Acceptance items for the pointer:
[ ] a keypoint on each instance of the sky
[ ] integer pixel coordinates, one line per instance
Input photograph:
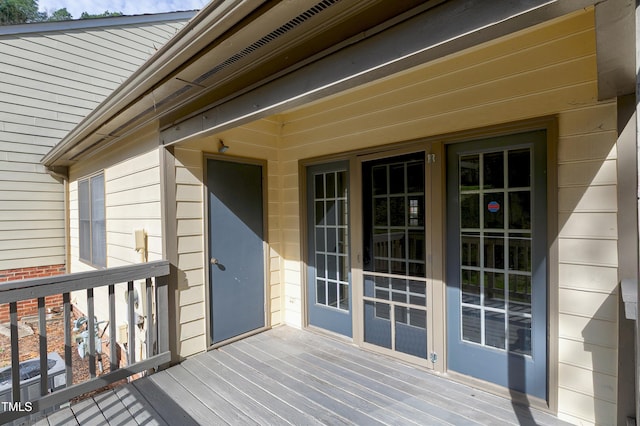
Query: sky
(128, 7)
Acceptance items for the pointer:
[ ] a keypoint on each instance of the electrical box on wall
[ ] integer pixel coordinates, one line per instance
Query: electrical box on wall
(140, 239)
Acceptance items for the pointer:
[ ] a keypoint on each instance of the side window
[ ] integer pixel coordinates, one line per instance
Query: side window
(91, 213)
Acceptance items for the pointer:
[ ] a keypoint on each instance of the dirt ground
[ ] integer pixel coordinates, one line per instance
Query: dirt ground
(29, 348)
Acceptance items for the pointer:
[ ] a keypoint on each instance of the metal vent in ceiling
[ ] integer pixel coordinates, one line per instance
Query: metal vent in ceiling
(273, 35)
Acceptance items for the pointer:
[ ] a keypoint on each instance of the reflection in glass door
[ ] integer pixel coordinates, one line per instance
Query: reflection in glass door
(394, 263)
(497, 261)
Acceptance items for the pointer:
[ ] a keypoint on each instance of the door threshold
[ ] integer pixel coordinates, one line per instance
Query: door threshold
(238, 337)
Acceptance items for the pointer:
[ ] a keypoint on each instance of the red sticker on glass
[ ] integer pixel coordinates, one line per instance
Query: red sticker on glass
(493, 206)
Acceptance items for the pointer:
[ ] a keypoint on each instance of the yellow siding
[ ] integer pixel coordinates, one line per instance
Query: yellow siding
(132, 201)
(257, 141)
(190, 229)
(548, 70)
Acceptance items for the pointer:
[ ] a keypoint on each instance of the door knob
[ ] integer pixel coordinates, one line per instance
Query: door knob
(214, 261)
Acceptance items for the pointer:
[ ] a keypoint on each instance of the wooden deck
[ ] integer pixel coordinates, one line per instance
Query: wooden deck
(287, 376)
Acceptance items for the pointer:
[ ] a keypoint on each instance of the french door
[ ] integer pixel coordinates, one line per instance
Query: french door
(329, 300)
(496, 257)
(379, 249)
(395, 273)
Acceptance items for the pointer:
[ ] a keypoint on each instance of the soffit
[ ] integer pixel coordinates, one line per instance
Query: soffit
(273, 38)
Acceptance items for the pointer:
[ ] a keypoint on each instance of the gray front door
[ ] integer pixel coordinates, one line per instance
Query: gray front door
(329, 270)
(496, 267)
(236, 248)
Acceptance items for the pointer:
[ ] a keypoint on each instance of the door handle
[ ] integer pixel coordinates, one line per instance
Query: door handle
(214, 261)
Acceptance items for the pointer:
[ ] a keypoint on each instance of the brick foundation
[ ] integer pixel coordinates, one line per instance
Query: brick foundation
(30, 307)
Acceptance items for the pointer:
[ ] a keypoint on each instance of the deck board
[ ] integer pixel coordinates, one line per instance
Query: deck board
(138, 407)
(171, 412)
(287, 376)
(380, 406)
(88, 413)
(244, 399)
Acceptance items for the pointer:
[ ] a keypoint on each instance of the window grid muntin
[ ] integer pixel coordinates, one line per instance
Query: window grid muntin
(481, 232)
(326, 278)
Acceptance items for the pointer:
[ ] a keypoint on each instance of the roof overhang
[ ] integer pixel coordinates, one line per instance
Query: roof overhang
(238, 61)
(616, 48)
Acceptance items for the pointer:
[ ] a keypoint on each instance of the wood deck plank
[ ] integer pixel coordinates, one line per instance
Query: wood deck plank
(419, 383)
(209, 397)
(171, 412)
(62, 417)
(331, 398)
(113, 409)
(377, 393)
(139, 408)
(199, 412)
(426, 398)
(88, 413)
(288, 376)
(297, 393)
(300, 409)
(254, 402)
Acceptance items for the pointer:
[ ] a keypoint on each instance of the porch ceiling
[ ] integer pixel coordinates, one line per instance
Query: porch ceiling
(247, 43)
(243, 60)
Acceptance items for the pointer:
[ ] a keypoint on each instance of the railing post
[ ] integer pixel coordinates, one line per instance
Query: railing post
(91, 330)
(113, 352)
(162, 313)
(132, 324)
(150, 346)
(66, 303)
(15, 352)
(42, 337)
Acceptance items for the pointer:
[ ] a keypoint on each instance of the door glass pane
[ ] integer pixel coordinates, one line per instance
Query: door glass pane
(494, 290)
(470, 247)
(495, 249)
(519, 168)
(493, 170)
(397, 211)
(520, 253)
(520, 334)
(471, 287)
(471, 325)
(470, 172)
(520, 294)
(494, 210)
(494, 329)
(331, 239)
(520, 210)
(470, 211)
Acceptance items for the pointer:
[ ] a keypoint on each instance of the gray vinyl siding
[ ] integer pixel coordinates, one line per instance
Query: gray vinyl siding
(53, 75)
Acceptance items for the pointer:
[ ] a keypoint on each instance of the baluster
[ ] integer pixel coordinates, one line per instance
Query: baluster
(131, 321)
(92, 333)
(42, 329)
(66, 303)
(150, 346)
(113, 350)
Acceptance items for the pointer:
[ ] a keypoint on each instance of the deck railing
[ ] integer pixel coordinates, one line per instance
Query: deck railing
(155, 274)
